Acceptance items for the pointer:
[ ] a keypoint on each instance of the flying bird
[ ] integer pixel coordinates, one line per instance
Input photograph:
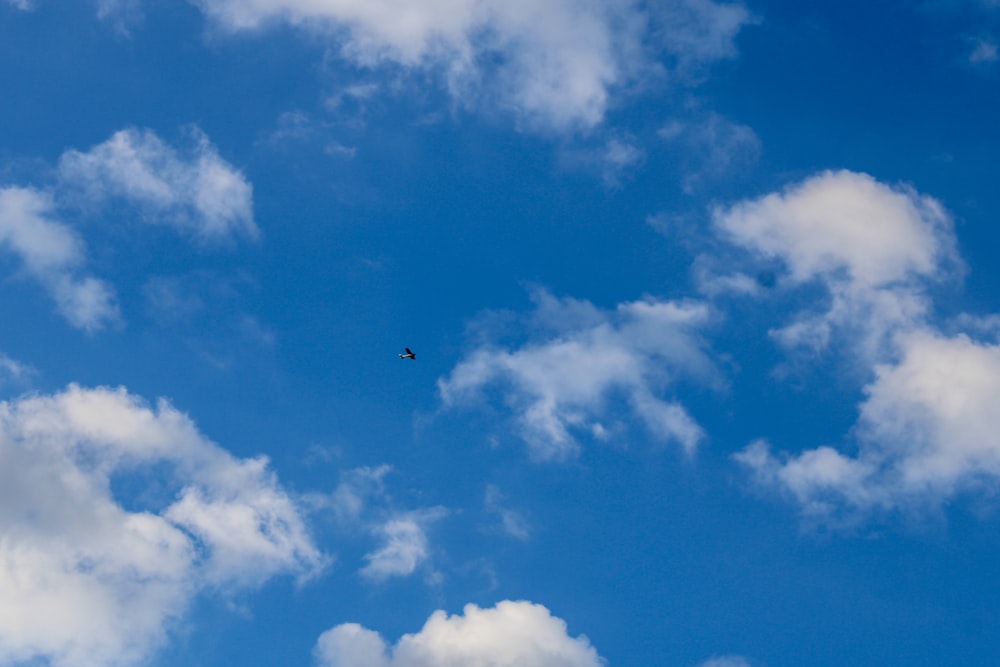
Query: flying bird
(408, 355)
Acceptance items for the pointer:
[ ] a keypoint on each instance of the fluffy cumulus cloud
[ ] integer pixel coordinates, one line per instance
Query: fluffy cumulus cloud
(52, 254)
(928, 430)
(114, 514)
(511, 633)
(192, 189)
(578, 359)
(873, 247)
(554, 65)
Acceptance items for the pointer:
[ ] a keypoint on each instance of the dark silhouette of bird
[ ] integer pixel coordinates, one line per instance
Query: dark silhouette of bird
(408, 355)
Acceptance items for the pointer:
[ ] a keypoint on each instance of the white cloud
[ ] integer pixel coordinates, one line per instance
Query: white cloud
(554, 65)
(511, 633)
(726, 661)
(93, 576)
(844, 224)
(579, 358)
(52, 253)
(23, 5)
(871, 246)
(194, 190)
(405, 546)
(928, 430)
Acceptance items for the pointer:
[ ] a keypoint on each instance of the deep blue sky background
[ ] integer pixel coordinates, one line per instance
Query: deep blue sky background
(407, 215)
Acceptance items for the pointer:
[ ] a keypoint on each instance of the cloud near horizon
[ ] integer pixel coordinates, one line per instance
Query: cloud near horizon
(94, 575)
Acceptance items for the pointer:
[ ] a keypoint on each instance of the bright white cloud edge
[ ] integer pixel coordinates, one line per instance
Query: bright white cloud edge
(928, 429)
(554, 65)
(511, 633)
(94, 579)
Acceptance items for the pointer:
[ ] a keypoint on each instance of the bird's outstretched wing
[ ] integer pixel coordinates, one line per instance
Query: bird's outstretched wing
(408, 351)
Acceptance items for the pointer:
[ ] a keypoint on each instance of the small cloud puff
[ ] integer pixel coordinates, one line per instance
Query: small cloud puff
(511, 633)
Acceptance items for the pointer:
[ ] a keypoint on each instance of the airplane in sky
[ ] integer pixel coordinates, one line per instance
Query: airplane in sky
(408, 355)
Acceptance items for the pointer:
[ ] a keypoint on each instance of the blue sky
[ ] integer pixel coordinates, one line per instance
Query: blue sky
(703, 296)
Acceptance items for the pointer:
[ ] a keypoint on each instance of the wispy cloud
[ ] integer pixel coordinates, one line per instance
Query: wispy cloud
(52, 253)
(511, 633)
(117, 571)
(512, 522)
(553, 65)
(726, 661)
(711, 147)
(578, 358)
(984, 51)
(13, 371)
(405, 545)
(193, 190)
(361, 503)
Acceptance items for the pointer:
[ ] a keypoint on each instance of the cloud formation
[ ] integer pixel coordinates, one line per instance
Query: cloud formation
(360, 503)
(192, 189)
(577, 359)
(511, 633)
(871, 246)
(52, 254)
(928, 430)
(405, 546)
(95, 575)
(554, 65)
